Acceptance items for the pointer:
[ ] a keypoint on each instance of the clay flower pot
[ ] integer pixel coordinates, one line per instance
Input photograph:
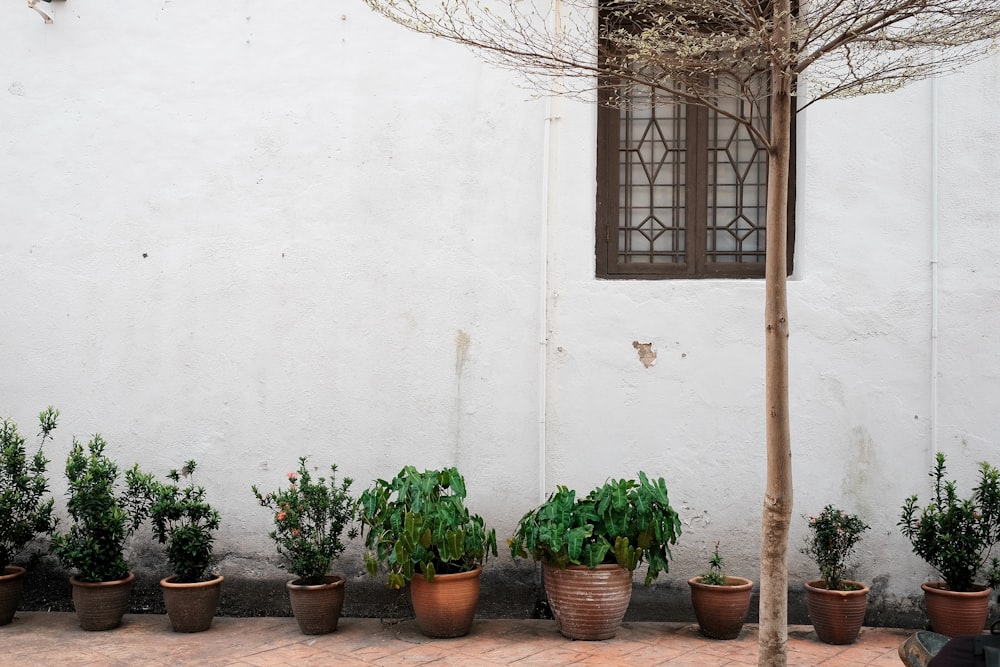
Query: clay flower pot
(191, 607)
(446, 606)
(588, 603)
(11, 589)
(101, 605)
(721, 610)
(317, 608)
(955, 613)
(836, 615)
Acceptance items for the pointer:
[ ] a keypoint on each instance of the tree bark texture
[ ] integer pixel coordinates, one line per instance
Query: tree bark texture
(777, 514)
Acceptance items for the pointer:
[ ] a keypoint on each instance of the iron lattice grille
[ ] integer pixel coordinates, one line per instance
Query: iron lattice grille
(692, 182)
(652, 168)
(737, 184)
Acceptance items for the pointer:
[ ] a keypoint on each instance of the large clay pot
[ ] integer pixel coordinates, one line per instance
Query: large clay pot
(837, 616)
(191, 607)
(101, 605)
(588, 603)
(721, 610)
(11, 588)
(446, 606)
(317, 608)
(955, 613)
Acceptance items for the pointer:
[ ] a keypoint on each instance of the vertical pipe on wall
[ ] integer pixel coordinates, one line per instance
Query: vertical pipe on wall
(548, 165)
(934, 269)
(543, 301)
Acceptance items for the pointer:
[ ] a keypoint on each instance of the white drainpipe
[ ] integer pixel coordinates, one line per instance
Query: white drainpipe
(934, 269)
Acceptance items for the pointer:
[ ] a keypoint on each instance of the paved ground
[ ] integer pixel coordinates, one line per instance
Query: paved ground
(54, 639)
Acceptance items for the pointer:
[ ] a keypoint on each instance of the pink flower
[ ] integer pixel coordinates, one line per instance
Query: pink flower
(295, 532)
(281, 516)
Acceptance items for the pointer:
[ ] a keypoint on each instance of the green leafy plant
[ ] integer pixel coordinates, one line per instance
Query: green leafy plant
(952, 535)
(624, 521)
(24, 513)
(103, 514)
(310, 516)
(714, 576)
(834, 534)
(184, 521)
(417, 523)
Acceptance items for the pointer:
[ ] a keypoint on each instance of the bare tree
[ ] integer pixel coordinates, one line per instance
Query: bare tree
(784, 53)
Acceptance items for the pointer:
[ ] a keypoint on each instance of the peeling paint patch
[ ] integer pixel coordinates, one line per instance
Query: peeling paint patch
(647, 355)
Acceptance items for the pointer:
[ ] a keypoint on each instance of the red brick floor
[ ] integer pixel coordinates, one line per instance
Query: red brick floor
(39, 639)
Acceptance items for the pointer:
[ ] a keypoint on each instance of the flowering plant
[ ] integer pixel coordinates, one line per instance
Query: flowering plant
(309, 518)
(23, 512)
(834, 536)
(952, 535)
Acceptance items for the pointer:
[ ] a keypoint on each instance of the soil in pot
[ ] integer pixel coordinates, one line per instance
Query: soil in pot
(721, 610)
(191, 607)
(101, 605)
(446, 606)
(836, 616)
(588, 603)
(317, 608)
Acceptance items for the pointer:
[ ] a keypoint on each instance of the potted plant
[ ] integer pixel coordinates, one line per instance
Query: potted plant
(417, 525)
(103, 515)
(24, 512)
(184, 521)
(590, 546)
(310, 515)
(720, 602)
(836, 605)
(955, 537)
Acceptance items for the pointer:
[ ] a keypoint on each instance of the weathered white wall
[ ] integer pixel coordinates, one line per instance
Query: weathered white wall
(244, 232)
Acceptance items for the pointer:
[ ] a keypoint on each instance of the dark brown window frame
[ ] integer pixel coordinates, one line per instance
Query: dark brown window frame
(696, 209)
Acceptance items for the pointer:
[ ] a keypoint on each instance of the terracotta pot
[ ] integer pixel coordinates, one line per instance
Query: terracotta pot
(836, 616)
(11, 588)
(191, 607)
(955, 613)
(317, 608)
(446, 606)
(101, 605)
(721, 610)
(588, 603)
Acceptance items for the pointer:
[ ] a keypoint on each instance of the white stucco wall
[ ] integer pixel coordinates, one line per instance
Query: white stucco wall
(245, 232)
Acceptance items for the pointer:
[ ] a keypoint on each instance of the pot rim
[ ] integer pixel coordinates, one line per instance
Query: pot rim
(12, 571)
(940, 587)
(817, 586)
(738, 583)
(97, 584)
(332, 581)
(573, 566)
(452, 576)
(167, 582)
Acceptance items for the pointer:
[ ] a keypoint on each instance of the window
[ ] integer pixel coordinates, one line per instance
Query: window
(682, 189)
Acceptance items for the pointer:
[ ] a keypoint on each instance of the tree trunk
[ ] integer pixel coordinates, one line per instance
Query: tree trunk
(777, 514)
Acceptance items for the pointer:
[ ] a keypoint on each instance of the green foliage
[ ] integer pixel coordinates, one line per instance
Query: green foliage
(833, 537)
(24, 514)
(622, 522)
(714, 576)
(309, 519)
(103, 515)
(184, 520)
(418, 524)
(952, 535)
